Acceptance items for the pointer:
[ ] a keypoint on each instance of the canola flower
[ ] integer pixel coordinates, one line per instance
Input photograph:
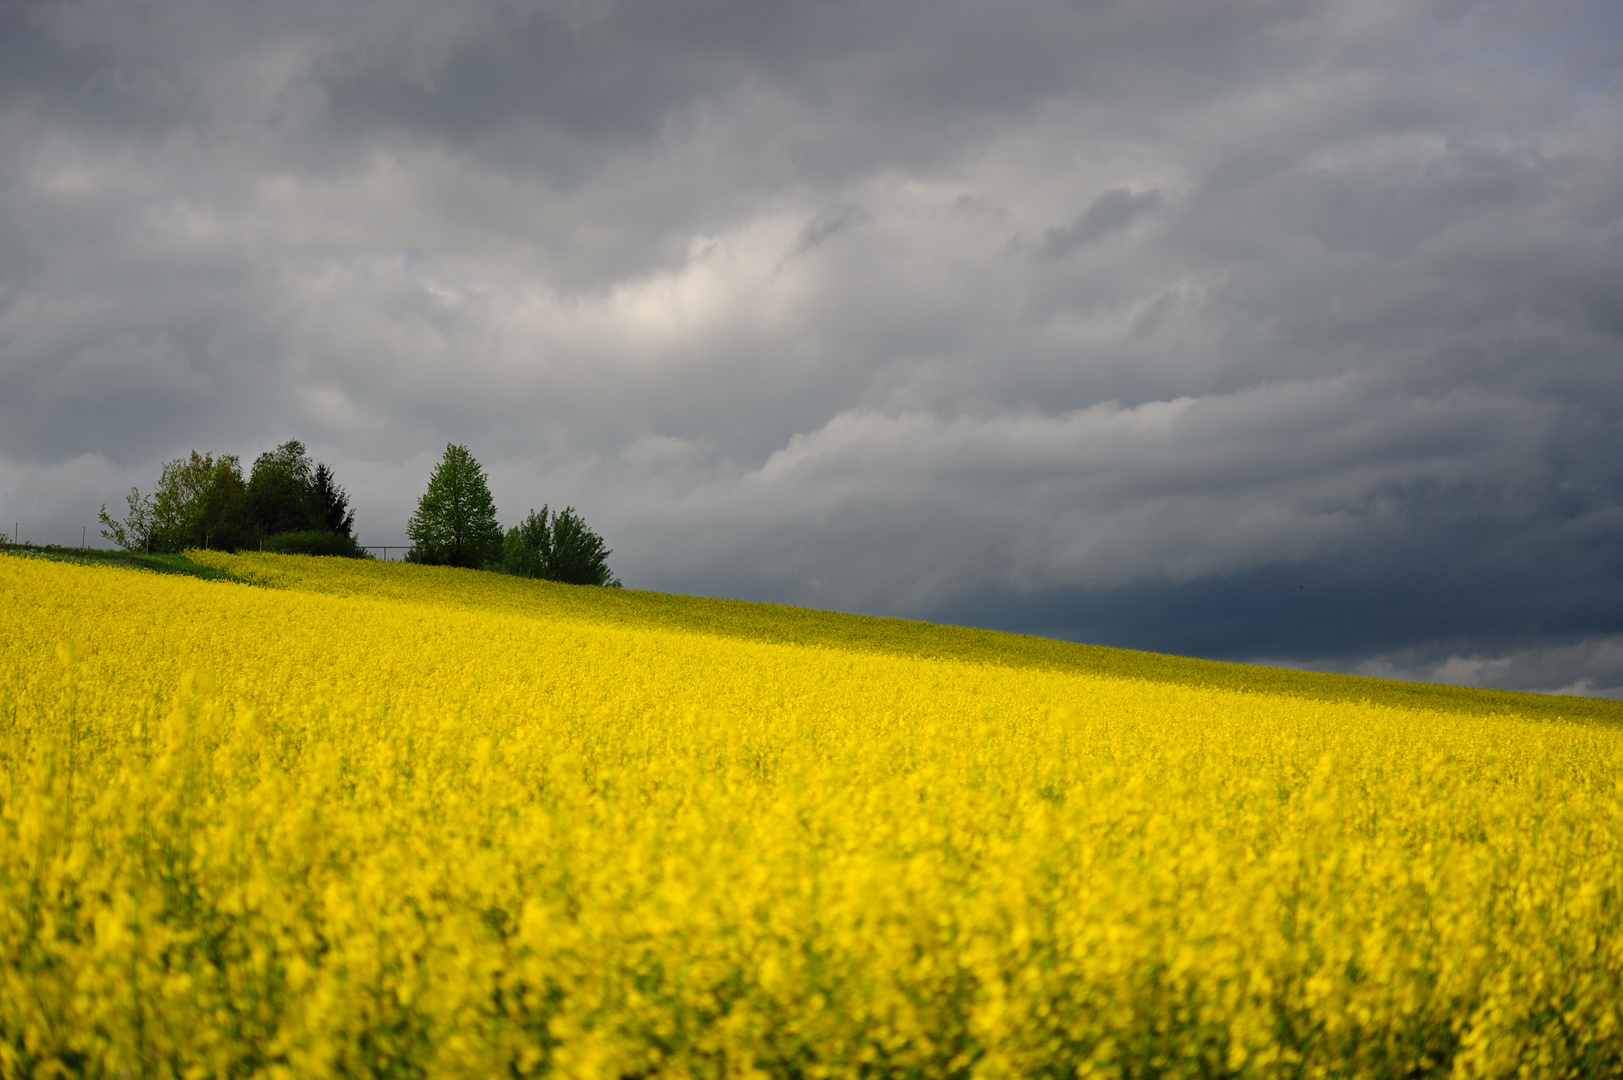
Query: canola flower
(390, 821)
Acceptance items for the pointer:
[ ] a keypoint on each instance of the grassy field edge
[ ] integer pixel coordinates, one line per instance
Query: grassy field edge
(125, 560)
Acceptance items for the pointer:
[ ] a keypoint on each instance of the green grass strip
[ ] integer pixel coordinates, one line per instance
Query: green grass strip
(128, 560)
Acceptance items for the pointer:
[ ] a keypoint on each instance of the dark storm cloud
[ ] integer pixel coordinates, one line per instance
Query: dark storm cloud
(1431, 599)
(1260, 328)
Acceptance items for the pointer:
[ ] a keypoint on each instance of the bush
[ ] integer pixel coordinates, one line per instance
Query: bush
(314, 542)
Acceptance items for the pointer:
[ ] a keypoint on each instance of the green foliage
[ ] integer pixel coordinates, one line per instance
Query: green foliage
(527, 547)
(289, 494)
(557, 547)
(579, 556)
(200, 502)
(313, 542)
(221, 508)
(134, 532)
(329, 504)
(455, 522)
(279, 490)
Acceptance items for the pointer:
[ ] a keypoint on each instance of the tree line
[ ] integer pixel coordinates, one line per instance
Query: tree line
(287, 503)
(455, 525)
(293, 505)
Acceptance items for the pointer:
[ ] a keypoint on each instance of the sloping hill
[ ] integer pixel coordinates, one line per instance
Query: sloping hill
(806, 626)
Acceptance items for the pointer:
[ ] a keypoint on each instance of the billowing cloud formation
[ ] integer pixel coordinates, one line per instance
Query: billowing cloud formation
(1258, 329)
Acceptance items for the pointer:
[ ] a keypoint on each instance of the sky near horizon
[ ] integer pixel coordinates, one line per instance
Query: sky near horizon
(1272, 330)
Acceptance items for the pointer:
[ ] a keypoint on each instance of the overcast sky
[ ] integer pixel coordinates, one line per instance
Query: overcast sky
(1259, 329)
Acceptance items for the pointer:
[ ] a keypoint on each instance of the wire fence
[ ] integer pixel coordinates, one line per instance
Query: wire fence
(40, 535)
(36, 534)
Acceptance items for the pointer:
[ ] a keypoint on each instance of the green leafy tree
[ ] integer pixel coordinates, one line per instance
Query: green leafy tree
(135, 531)
(557, 547)
(200, 501)
(219, 505)
(297, 505)
(455, 522)
(279, 490)
(527, 547)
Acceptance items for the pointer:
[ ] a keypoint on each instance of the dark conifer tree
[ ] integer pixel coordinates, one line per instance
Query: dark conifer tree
(329, 504)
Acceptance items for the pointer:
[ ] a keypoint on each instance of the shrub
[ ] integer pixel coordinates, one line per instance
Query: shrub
(314, 542)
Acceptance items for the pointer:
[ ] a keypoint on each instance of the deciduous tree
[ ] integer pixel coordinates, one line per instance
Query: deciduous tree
(557, 547)
(455, 522)
(200, 501)
(279, 490)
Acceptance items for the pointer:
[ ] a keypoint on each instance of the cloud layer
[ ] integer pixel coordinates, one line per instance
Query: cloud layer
(1101, 320)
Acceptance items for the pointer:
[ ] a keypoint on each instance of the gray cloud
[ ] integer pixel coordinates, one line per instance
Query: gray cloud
(837, 219)
(1339, 309)
(1591, 666)
(1109, 213)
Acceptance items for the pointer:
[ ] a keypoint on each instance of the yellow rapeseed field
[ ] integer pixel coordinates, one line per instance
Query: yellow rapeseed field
(383, 820)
